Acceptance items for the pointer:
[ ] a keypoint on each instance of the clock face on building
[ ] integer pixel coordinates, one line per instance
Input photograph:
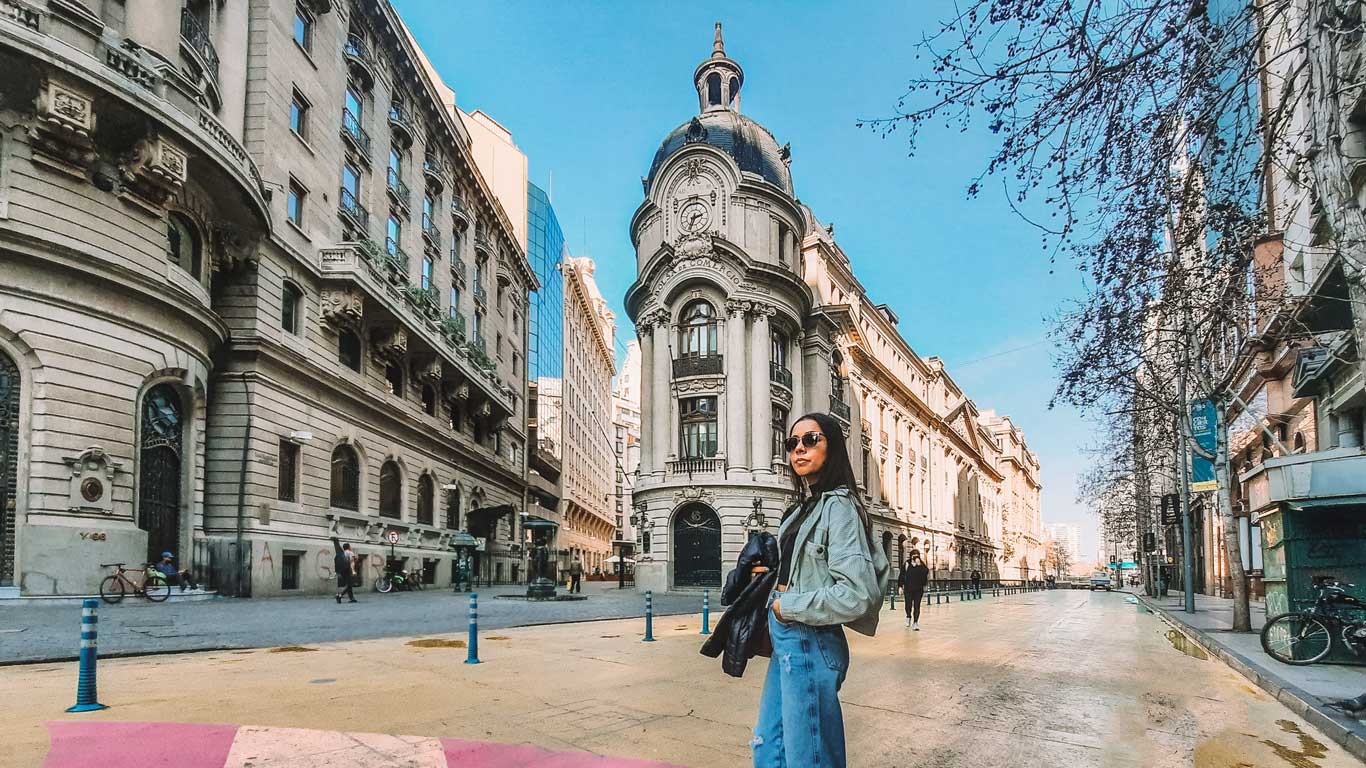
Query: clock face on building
(694, 217)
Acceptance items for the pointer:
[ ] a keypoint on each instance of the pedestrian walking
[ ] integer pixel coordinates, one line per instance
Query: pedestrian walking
(914, 578)
(976, 581)
(576, 575)
(830, 575)
(344, 562)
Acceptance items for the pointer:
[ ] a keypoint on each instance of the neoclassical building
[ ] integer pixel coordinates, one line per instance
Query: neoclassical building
(254, 293)
(749, 314)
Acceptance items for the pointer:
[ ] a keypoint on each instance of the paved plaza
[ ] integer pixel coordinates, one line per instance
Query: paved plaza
(1059, 678)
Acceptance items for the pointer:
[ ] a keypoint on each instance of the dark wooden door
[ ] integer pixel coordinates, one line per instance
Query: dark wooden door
(159, 462)
(9, 465)
(697, 547)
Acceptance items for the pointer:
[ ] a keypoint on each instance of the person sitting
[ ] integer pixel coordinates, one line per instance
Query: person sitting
(173, 575)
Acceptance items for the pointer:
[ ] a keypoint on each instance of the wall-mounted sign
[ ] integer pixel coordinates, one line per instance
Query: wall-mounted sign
(93, 535)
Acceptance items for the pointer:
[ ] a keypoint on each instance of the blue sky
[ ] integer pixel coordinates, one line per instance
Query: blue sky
(590, 89)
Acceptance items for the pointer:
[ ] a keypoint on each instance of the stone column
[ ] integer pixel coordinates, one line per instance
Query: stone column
(663, 404)
(737, 446)
(647, 397)
(801, 402)
(760, 399)
(875, 436)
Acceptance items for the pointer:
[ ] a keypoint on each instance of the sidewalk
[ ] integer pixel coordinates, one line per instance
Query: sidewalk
(1304, 690)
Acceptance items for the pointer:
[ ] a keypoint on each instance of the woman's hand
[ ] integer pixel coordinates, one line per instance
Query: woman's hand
(758, 569)
(778, 611)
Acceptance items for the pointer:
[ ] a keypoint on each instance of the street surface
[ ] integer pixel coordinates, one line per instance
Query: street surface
(31, 632)
(1062, 678)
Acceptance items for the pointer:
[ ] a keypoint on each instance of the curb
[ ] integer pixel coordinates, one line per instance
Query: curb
(1346, 733)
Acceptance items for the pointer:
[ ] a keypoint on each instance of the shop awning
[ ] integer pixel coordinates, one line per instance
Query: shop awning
(483, 519)
(462, 539)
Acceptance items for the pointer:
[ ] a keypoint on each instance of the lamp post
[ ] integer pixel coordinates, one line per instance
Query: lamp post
(756, 521)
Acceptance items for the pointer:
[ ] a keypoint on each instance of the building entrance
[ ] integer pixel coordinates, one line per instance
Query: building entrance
(697, 547)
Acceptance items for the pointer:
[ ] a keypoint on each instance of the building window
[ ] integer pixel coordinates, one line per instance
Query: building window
(393, 235)
(515, 364)
(395, 167)
(348, 349)
(698, 330)
(287, 481)
(698, 427)
(777, 349)
(478, 326)
(355, 105)
(345, 478)
(427, 275)
(498, 344)
(779, 431)
(303, 28)
(865, 467)
(298, 115)
(457, 417)
(429, 399)
(453, 510)
(390, 490)
(425, 493)
(295, 203)
(351, 183)
(289, 570)
(183, 247)
(455, 301)
(393, 374)
(291, 308)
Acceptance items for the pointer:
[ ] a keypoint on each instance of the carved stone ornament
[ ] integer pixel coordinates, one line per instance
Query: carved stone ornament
(692, 246)
(154, 169)
(91, 485)
(484, 410)
(693, 493)
(697, 133)
(429, 372)
(707, 384)
(65, 124)
(393, 345)
(234, 248)
(458, 391)
(780, 395)
(737, 307)
(343, 307)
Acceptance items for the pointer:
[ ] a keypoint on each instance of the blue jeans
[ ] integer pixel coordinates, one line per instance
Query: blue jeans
(800, 725)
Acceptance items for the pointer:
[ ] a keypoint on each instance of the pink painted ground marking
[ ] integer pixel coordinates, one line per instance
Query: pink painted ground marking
(137, 745)
(485, 754)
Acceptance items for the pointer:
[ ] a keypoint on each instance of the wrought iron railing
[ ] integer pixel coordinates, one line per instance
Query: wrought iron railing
(196, 34)
(481, 295)
(779, 374)
(352, 130)
(400, 120)
(397, 188)
(839, 408)
(699, 365)
(350, 207)
(430, 231)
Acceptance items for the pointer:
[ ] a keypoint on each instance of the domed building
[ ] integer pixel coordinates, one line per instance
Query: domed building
(731, 348)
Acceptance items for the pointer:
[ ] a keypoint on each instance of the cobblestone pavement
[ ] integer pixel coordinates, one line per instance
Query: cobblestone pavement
(41, 633)
(1068, 679)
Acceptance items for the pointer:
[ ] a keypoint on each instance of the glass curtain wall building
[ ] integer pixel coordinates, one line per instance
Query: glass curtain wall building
(545, 318)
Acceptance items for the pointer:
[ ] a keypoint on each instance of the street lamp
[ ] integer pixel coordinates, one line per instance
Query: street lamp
(756, 520)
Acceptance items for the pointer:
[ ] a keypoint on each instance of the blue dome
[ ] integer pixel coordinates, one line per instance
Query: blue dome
(750, 144)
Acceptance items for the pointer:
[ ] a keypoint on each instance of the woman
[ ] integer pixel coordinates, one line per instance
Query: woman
(829, 575)
(913, 581)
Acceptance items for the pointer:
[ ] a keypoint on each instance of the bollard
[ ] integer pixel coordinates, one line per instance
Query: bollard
(85, 679)
(649, 617)
(894, 598)
(473, 657)
(706, 612)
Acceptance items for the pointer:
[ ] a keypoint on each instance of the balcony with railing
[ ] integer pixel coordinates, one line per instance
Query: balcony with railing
(883, 435)
(867, 428)
(699, 365)
(695, 465)
(458, 269)
(355, 135)
(481, 296)
(459, 213)
(194, 36)
(780, 375)
(900, 449)
(434, 170)
(352, 212)
(395, 258)
(364, 267)
(431, 234)
(483, 243)
(398, 191)
(401, 125)
(359, 61)
(839, 409)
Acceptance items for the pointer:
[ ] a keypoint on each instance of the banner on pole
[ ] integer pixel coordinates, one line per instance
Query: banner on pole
(1202, 431)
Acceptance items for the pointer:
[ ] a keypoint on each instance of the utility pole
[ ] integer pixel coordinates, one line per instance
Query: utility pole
(1187, 556)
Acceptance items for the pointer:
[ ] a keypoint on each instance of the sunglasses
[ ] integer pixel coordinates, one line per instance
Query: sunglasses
(809, 440)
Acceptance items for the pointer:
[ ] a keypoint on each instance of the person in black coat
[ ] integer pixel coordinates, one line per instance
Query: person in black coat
(742, 631)
(913, 580)
(344, 563)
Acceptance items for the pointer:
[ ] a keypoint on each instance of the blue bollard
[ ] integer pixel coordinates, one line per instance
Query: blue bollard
(85, 680)
(649, 617)
(473, 657)
(706, 612)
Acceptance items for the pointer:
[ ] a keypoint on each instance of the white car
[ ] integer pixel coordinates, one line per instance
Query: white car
(1100, 581)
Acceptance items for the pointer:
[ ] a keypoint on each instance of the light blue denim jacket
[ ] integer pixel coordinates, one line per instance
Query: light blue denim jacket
(836, 576)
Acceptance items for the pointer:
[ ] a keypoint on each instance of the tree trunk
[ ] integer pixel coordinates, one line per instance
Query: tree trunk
(1242, 612)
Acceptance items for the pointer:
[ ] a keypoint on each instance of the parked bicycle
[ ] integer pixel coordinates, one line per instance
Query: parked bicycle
(1304, 637)
(114, 587)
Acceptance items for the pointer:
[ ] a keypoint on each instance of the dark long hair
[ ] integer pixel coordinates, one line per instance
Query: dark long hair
(836, 471)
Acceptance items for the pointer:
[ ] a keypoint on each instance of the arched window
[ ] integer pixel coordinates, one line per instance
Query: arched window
(836, 378)
(1299, 442)
(734, 91)
(345, 478)
(779, 426)
(291, 308)
(713, 89)
(390, 490)
(183, 247)
(698, 330)
(348, 349)
(429, 399)
(425, 502)
(453, 510)
(393, 373)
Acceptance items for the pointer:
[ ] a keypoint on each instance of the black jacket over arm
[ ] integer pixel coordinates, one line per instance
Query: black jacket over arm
(742, 631)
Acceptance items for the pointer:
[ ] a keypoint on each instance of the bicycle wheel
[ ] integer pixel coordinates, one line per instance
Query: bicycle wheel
(384, 584)
(1296, 638)
(111, 590)
(156, 590)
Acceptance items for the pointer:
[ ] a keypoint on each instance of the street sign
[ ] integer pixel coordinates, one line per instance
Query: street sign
(392, 536)
(1203, 419)
(1112, 559)
(1171, 509)
(1149, 542)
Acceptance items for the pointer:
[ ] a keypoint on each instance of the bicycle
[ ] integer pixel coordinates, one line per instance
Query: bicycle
(1304, 637)
(114, 587)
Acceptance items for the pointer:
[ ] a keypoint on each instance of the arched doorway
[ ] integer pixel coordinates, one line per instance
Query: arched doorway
(160, 454)
(9, 465)
(697, 547)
